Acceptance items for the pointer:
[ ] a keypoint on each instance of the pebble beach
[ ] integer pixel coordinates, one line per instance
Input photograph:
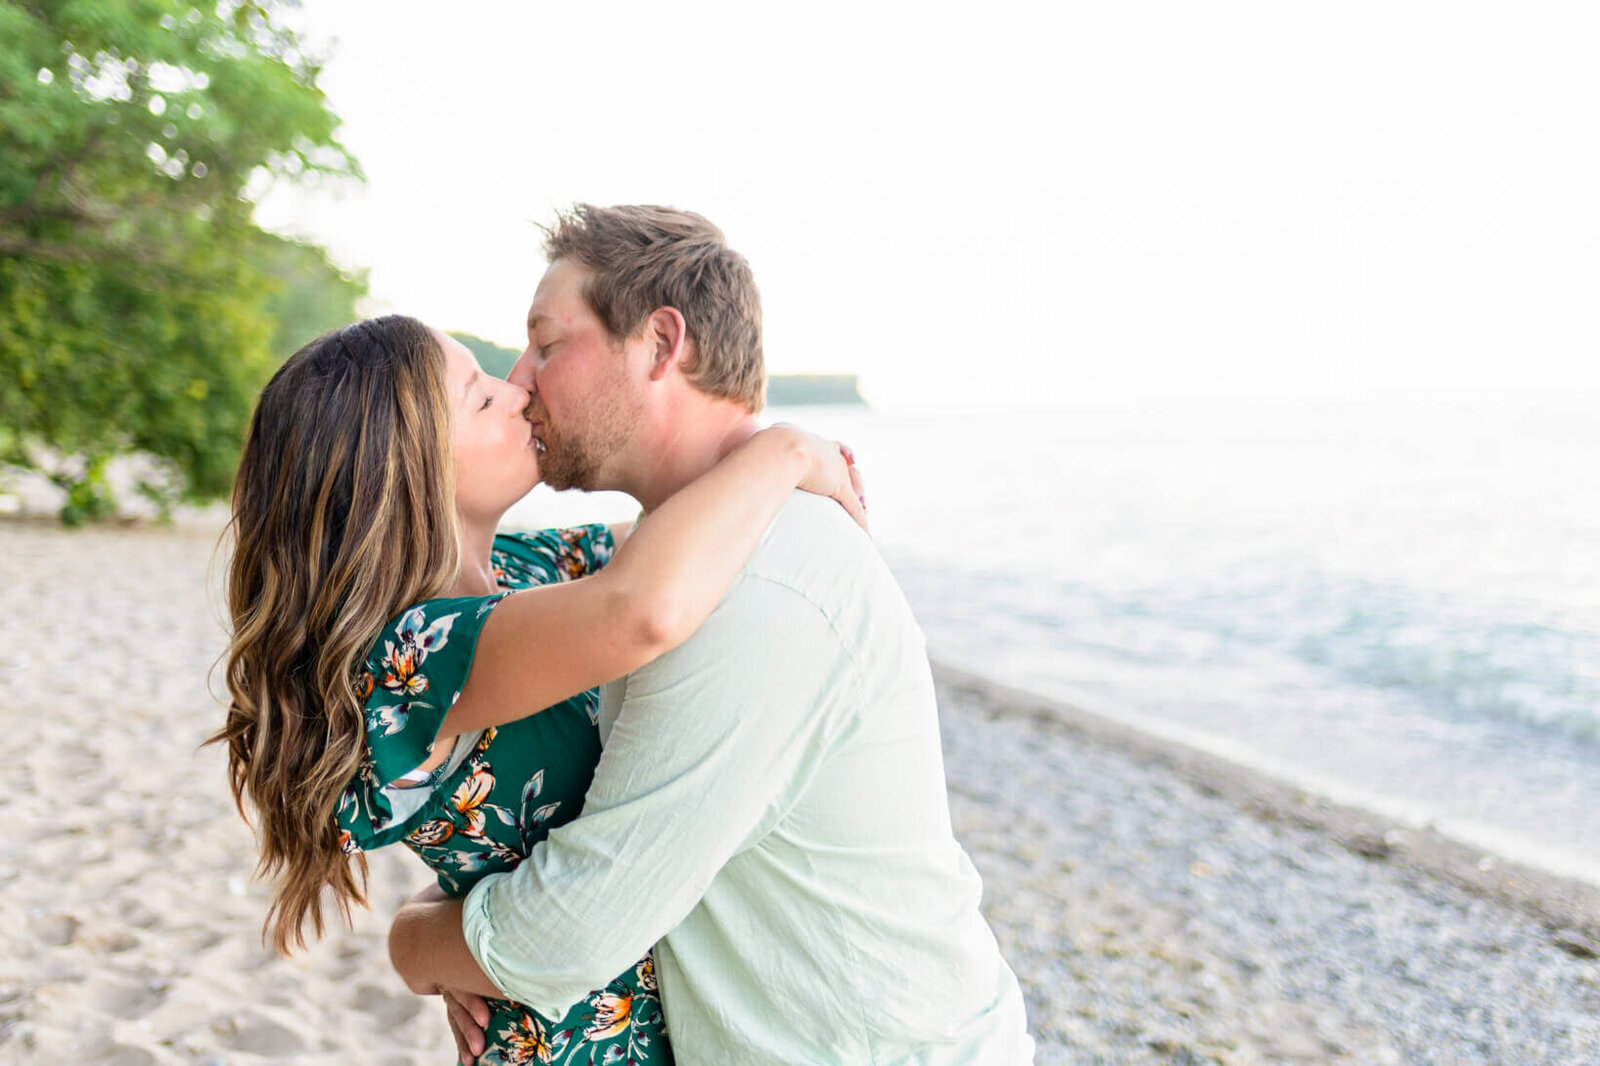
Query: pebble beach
(1158, 906)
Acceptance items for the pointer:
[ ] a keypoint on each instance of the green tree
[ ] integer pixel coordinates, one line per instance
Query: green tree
(140, 306)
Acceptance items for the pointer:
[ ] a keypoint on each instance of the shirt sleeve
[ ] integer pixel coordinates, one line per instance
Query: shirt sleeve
(713, 742)
(412, 677)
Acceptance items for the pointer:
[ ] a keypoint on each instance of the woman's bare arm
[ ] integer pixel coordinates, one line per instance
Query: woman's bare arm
(542, 645)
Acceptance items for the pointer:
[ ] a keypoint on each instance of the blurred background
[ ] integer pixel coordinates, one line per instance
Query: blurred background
(1226, 368)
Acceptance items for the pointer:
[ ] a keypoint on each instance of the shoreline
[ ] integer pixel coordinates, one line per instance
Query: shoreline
(1562, 904)
(1558, 900)
(1156, 904)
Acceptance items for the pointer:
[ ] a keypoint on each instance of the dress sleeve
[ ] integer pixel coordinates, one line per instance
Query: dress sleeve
(411, 678)
(542, 556)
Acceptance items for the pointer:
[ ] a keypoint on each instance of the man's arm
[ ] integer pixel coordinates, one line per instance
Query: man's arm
(711, 742)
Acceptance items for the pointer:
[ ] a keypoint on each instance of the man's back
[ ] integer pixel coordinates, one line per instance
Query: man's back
(843, 924)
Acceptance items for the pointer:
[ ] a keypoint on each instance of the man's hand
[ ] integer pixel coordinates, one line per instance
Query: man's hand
(469, 1017)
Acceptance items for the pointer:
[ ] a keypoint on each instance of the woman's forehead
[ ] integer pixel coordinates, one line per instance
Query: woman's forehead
(459, 362)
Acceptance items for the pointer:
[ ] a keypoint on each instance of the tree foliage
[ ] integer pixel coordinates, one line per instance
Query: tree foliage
(141, 308)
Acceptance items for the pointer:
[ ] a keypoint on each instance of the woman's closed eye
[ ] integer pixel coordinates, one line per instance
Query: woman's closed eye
(488, 401)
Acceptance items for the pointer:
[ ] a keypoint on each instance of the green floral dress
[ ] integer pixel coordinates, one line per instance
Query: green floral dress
(498, 794)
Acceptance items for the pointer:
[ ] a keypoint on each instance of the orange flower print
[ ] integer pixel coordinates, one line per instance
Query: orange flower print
(400, 670)
(431, 834)
(347, 843)
(524, 1042)
(612, 1013)
(571, 559)
(471, 797)
(364, 685)
(416, 641)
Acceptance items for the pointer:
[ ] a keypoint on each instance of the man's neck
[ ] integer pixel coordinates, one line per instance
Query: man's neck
(695, 436)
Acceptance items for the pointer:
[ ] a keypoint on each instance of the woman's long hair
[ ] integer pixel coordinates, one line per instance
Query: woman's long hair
(343, 516)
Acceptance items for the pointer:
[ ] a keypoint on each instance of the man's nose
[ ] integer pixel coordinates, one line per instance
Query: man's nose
(523, 370)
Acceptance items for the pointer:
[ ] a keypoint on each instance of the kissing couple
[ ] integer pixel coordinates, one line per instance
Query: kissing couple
(680, 781)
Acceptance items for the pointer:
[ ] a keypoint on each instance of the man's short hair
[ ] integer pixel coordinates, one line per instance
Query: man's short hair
(644, 257)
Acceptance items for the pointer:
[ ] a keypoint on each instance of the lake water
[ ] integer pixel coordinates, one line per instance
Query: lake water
(1395, 607)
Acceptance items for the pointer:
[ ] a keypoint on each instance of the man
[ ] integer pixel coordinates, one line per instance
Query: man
(770, 808)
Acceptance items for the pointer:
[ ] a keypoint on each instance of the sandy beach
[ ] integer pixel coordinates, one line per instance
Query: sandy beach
(1159, 906)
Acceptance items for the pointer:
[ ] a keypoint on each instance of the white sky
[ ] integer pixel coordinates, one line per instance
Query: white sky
(1042, 204)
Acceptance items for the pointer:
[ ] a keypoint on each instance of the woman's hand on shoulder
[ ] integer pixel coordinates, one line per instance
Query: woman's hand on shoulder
(831, 471)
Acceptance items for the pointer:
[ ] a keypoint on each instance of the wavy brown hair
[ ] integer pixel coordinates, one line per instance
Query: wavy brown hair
(343, 516)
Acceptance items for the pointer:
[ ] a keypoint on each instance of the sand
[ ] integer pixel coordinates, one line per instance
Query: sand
(1157, 908)
(129, 920)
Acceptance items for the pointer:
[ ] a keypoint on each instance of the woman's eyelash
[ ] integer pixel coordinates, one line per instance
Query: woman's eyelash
(487, 402)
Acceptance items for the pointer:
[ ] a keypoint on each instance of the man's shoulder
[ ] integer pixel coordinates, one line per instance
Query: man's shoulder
(808, 523)
(816, 596)
(812, 545)
(815, 550)
(790, 601)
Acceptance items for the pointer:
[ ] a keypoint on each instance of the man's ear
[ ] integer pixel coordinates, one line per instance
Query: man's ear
(669, 338)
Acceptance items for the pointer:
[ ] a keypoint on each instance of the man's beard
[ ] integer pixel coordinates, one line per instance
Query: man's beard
(568, 463)
(578, 460)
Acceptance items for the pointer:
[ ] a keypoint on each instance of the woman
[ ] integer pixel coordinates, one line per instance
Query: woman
(400, 673)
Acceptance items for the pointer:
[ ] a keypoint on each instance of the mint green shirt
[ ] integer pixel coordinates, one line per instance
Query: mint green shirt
(770, 807)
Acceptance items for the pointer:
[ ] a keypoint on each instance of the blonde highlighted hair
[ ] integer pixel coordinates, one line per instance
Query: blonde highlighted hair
(343, 516)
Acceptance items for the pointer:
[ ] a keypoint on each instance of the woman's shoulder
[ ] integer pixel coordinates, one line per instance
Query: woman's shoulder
(424, 649)
(427, 628)
(419, 663)
(543, 556)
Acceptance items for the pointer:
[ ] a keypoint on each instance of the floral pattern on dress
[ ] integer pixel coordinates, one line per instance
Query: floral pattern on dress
(456, 842)
(569, 554)
(627, 1012)
(483, 813)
